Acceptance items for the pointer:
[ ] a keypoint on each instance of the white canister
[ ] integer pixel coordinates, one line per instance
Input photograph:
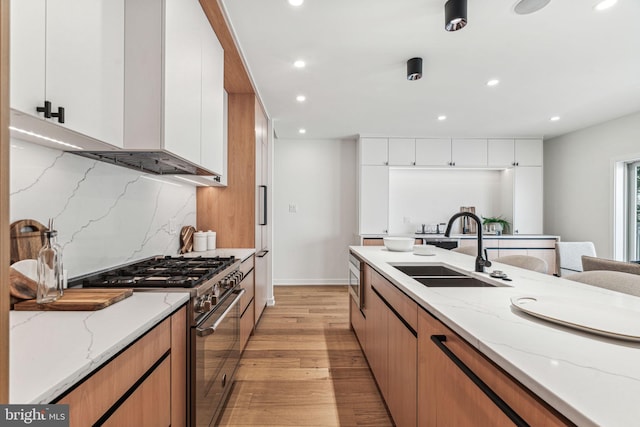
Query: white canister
(211, 240)
(199, 241)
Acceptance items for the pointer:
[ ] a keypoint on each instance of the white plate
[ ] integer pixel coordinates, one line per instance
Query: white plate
(610, 321)
(424, 254)
(28, 267)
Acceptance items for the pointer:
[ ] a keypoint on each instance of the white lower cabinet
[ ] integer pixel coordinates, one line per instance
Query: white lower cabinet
(374, 199)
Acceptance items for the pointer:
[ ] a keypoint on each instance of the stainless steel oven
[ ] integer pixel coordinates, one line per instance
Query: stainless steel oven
(216, 354)
(355, 277)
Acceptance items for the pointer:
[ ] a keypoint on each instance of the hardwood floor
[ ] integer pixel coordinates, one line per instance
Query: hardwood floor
(304, 366)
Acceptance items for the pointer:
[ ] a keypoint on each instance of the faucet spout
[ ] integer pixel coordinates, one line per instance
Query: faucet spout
(480, 261)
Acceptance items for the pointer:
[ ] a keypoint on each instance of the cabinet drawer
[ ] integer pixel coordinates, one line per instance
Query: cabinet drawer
(150, 402)
(246, 324)
(452, 399)
(358, 322)
(401, 303)
(248, 285)
(92, 398)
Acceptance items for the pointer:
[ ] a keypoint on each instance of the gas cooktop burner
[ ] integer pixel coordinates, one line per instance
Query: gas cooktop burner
(158, 272)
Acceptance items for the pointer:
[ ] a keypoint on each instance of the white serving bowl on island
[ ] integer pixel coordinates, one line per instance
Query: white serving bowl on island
(399, 244)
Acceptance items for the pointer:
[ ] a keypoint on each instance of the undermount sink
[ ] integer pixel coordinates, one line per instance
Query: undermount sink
(453, 282)
(443, 277)
(428, 270)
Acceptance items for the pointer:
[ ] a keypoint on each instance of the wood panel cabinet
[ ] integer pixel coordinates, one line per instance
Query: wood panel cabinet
(70, 53)
(448, 395)
(391, 346)
(358, 323)
(152, 372)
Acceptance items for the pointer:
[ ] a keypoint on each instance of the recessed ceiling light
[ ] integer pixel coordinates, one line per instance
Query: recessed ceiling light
(604, 4)
(302, 130)
(296, 2)
(299, 63)
(301, 98)
(493, 82)
(442, 118)
(555, 118)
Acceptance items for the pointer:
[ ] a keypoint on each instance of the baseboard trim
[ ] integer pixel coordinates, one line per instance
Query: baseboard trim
(291, 282)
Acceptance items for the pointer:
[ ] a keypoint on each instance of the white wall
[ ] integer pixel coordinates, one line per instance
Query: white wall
(319, 178)
(578, 180)
(105, 215)
(431, 196)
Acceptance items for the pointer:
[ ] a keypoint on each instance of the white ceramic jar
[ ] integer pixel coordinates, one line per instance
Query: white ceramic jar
(199, 241)
(211, 240)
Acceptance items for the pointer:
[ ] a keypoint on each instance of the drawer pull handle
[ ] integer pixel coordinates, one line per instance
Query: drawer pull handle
(439, 340)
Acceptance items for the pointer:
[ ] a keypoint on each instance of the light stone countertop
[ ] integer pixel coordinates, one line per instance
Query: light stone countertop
(50, 351)
(592, 380)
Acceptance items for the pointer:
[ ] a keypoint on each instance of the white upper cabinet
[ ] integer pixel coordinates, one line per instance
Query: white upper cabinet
(402, 152)
(183, 78)
(433, 152)
(469, 152)
(213, 101)
(501, 152)
(515, 152)
(71, 54)
(528, 152)
(175, 82)
(374, 151)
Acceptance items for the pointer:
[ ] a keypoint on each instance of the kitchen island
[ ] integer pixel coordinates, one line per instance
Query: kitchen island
(53, 351)
(591, 380)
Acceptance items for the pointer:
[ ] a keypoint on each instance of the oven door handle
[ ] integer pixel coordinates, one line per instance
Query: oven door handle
(203, 332)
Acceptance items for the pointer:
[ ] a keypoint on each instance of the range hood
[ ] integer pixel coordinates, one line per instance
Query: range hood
(154, 161)
(158, 162)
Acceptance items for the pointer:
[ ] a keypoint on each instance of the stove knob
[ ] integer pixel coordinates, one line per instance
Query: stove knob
(203, 304)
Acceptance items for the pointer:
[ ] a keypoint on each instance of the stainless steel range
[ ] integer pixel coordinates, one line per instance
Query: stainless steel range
(214, 335)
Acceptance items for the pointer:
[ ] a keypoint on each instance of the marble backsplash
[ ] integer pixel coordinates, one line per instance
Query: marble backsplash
(105, 215)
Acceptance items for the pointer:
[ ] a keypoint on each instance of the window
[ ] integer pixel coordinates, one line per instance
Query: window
(633, 214)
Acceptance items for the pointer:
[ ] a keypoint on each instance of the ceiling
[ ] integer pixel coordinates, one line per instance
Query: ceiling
(564, 60)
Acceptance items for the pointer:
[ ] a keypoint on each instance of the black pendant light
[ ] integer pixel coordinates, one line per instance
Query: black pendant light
(455, 15)
(414, 69)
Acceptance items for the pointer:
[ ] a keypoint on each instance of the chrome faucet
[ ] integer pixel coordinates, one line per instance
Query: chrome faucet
(480, 261)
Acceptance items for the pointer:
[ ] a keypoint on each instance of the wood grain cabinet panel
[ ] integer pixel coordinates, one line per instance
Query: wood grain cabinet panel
(449, 398)
(377, 333)
(358, 322)
(143, 385)
(247, 322)
(150, 404)
(179, 331)
(402, 378)
(405, 306)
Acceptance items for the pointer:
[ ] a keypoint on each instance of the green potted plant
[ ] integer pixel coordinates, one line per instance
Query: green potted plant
(496, 224)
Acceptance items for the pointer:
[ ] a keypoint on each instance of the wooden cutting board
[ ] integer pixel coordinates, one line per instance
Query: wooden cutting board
(78, 300)
(26, 239)
(186, 238)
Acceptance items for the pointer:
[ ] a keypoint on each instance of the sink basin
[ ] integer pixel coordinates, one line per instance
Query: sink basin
(428, 270)
(433, 275)
(453, 282)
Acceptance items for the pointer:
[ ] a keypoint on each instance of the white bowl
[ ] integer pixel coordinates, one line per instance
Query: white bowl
(399, 244)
